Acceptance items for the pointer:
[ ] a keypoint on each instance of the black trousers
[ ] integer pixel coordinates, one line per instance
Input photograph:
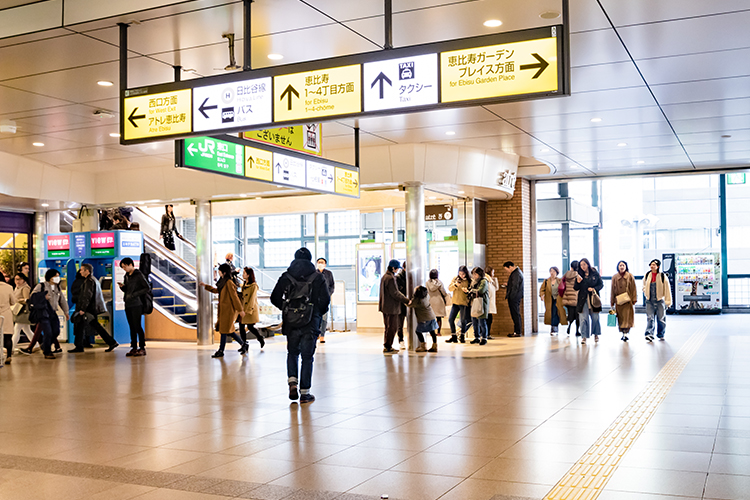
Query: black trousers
(401, 318)
(244, 328)
(137, 335)
(572, 316)
(515, 314)
(390, 321)
(82, 329)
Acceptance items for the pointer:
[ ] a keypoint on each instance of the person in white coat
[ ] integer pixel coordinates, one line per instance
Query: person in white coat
(21, 294)
(489, 273)
(438, 297)
(6, 301)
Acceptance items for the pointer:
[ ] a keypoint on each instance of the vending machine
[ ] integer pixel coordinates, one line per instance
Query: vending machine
(696, 279)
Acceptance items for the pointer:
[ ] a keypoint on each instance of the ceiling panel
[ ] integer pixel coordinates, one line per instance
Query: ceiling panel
(16, 101)
(90, 154)
(708, 109)
(120, 164)
(723, 64)
(719, 125)
(605, 77)
(23, 145)
(631, 116)
(725, 88)
(596, 47)
(424, 119)
(648, 11)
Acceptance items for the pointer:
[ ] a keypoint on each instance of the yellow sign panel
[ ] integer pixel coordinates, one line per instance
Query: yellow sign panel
(347, 182)
(312, 94)
(303, 138)
(156, 115)
(258, 164)
(499, 70)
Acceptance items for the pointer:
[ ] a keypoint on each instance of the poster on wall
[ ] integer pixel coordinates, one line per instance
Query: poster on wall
(444, 258)
(370, 268)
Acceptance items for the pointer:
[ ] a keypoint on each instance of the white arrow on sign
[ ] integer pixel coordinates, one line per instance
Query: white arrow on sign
(191, 149)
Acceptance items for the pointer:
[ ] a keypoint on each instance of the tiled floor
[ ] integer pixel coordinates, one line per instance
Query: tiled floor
(496, 423)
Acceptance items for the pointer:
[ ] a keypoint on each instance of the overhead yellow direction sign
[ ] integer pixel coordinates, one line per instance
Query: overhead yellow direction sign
(258, 164)
(156, 115)
(313, 94)
(347, 182)
(303, 138)
(508, 69)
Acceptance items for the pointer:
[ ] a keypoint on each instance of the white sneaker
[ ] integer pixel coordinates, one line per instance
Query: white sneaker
(401, 346)
(583, 340)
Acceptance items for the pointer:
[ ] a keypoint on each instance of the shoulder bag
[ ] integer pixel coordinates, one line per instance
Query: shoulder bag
(595, 301)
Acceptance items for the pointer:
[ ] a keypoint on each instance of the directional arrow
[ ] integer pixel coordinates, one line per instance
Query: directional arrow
(251, 161)
(191, 149)
(288, 92)
(203, 108)
(541, 65)
(381, 78)
(133, 117)
(355, 183)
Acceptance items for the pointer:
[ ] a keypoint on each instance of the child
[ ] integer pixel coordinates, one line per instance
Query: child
(426, 321)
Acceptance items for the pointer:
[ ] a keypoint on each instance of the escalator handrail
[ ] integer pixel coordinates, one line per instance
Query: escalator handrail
(146, 214)
(163, 251)
(180, 291)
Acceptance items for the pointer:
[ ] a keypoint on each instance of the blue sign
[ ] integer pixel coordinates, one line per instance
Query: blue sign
(79, 245)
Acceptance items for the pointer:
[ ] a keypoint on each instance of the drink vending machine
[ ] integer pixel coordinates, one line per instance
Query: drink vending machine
(696, 282)
(104, 250)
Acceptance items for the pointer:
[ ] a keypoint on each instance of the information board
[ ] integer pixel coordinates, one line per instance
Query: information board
(154, 116)
(103, 244)
(208, 153)
(289, 170)
(401, 83)
(313, 94)
(235, 104)
(305, 138)
(58, 245)
(258, 164)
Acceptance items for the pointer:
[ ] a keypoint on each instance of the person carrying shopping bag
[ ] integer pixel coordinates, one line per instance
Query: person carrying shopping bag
(554, 311)
(588, 284)
(623, 297)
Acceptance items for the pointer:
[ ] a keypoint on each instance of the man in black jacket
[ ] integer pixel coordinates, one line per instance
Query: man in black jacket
(514, 295)
(401, 284)
(87, 297)
(134, 288)
(331, 284)
(391, 300)
(301, 338)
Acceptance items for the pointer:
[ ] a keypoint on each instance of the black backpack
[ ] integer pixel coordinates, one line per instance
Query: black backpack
(38, 306)
(145, 265)
(297, 310)
(148, 299)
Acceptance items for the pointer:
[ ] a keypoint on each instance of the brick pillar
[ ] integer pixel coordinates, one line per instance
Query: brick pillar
(509, 238)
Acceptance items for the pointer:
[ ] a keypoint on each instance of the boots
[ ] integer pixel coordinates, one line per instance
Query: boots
(422, 347)
(452, 340)
(433, 348)
(462, 339)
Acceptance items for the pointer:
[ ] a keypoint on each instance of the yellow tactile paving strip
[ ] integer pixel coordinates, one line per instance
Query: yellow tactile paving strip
(588, 477)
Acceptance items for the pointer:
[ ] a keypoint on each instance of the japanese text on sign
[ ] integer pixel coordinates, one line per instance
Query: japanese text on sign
(158, 115)
(347, 182)
(325, 92)
(303, 138)
(258, 164)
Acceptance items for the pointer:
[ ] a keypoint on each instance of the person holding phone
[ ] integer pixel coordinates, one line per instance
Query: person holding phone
(588, 284)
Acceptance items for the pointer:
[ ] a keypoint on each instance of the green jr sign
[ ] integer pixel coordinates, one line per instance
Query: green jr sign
(206, 153)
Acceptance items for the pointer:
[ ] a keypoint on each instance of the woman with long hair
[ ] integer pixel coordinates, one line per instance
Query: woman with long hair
(570, 296)
(438, 297)
(229, 307)
(250, 306)
(588, 284)
(494, 286)
(478, 294)
(623, 297)
(554, 312)
(169, 227)
(460, 305)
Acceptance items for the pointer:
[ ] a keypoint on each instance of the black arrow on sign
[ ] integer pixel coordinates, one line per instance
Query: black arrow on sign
(133, 117)
(251, 162)
(381, 78)
(203, 108)
(541, 65)
(288, 92)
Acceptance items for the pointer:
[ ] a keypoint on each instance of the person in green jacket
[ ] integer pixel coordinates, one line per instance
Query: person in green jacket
(478, 293)
(426, 321)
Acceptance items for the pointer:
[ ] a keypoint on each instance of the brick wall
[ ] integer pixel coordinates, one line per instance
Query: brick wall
(509, 238)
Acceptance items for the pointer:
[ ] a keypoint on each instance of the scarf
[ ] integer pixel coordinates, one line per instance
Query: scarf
(223, 281)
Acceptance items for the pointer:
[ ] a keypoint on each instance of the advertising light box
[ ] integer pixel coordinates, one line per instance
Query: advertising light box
(102, 244)
(207, 153)
(58, 245)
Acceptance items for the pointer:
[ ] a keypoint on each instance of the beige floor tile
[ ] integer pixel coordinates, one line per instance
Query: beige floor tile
(407, 486)
(480, 447)
(255, 470)
(523, 471)
(483, 489)
(98, 453)
(157, 459)
(443, 464)
(369, 458)
(326, 477)
(202, 464)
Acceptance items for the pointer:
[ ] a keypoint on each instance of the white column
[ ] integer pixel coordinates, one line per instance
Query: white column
(416, 250)
(203, 268)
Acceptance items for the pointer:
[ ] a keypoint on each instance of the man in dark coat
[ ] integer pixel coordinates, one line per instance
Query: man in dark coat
(514, 295)
(391, 300)
(401, 284)
(87, 310)
(301, 339)
(331, 284)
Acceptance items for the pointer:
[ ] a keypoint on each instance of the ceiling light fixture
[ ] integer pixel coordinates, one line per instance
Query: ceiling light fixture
(433, 197)
(640, 162)
(275, 57)
(596, 120)
(45, 205)
(622, 144)
(461, 192)
(104, 83)
(114, 134)
(493, 23)
(258, 197)
(450, 132)
(545, 150)
(550, 14)
(38, 144)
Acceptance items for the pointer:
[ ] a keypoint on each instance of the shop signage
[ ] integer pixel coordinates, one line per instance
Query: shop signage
(131, 243)
(303, 138)
(103, 244)
(480, 70)
(438, 212)
(153, 116)
(243, 158)
(736, 178)
(58, 245)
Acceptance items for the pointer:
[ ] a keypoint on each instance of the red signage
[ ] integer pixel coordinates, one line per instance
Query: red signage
(102, 240)
(58, 242)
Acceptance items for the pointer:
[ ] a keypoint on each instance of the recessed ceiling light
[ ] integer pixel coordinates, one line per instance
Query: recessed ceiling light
(493, 23)
(45, 204)
(104, 83)
(450, 132)
(38, 144)
(258, 197)
(622, 144)
(114, 134)
(433, 197)
(550, 14)
(243, 196)
(640, 162)
(461, 192)
(545, 150)
(275, 57)
(596, 120)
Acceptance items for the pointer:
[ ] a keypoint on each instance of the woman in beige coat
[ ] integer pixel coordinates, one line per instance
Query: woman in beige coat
(438, 297)
(229, 307)
(6, 301)
(554, 311)
(623, 285)
(570, 297)
(250, 306)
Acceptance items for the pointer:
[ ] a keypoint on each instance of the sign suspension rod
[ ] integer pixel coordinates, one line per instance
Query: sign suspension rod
(388, 24)
(246, 40)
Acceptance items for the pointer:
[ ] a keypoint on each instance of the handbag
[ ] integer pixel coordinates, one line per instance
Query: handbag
(623, 298)
(561, 287)
(595, 301)
(611, 318)
(20, 314)
(477, 307)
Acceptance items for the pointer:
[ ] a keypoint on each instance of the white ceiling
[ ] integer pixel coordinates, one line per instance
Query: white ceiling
(669, 78)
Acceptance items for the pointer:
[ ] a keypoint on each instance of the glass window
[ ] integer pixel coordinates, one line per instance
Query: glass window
(252, 227)
(309, 223)
(7, 265)
(6, 240)
(280, 253)
(738, 230)
(282, 226)
(223, 229)
(342, 252)
(253, 255)
(343, 223)
(22, 240)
